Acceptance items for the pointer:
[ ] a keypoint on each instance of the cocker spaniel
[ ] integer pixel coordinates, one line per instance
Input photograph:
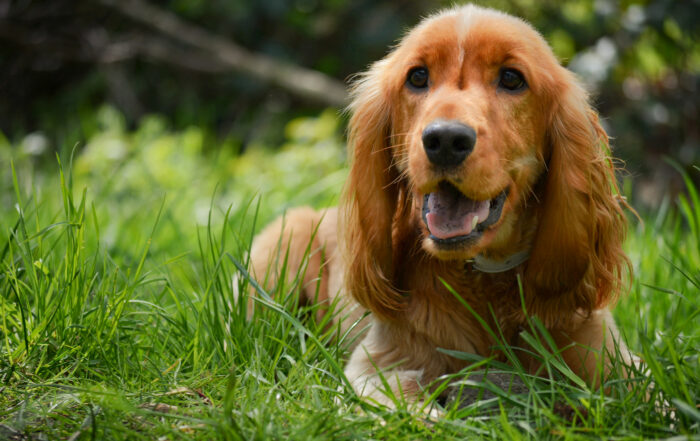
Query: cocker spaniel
(481, 193)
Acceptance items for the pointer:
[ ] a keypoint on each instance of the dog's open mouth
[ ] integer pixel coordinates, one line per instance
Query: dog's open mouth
(451, 217)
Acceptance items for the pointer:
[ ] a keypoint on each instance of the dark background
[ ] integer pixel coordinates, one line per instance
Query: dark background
(62, 59)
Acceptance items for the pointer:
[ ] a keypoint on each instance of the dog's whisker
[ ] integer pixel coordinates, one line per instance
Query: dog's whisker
(389, 147)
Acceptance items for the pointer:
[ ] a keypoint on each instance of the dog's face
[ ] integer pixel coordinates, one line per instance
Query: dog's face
(469, 130)
(471, 133)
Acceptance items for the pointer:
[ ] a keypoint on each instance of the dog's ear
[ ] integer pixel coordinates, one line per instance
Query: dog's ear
(370, 198)
(577, 261)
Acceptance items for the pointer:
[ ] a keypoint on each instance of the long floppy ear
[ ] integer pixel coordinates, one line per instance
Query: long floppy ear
(370, 198)
(577, 261)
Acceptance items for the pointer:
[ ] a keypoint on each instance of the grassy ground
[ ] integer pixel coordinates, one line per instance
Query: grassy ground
(118, 271)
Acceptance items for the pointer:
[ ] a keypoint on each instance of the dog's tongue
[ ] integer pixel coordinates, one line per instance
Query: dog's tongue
(451, 214)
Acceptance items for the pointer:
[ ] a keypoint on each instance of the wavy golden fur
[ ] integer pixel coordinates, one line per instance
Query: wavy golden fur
(536, 160)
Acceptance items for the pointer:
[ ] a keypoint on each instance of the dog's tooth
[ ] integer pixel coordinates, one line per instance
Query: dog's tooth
(475, 220)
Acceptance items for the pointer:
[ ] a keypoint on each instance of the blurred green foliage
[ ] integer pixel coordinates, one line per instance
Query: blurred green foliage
(129, 174)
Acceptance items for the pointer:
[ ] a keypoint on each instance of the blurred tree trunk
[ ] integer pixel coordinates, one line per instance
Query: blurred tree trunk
(305, 83)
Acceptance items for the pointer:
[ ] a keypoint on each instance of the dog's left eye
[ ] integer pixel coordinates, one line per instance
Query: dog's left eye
(511, 79)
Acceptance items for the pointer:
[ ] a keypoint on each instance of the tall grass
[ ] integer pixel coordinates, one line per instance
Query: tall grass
(119, 316)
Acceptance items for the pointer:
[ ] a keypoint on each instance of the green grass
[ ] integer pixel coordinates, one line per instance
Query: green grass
(118, 274)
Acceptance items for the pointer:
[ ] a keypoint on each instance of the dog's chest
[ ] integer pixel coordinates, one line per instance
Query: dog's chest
(462, 311)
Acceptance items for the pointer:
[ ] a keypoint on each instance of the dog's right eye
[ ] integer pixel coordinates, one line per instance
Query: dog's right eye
(418, 78)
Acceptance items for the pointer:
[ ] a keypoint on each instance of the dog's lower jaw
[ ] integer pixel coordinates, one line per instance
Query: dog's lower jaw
(465, 249)
(512, 233)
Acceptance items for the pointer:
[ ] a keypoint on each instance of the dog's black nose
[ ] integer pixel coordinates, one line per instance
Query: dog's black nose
(447, 143)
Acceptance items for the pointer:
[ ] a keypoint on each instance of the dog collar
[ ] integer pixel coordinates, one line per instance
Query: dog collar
(485, 265)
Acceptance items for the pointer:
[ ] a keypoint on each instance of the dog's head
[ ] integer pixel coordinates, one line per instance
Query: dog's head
(472, 132)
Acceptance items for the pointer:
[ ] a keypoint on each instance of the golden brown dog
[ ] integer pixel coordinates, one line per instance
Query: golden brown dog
(478, 165)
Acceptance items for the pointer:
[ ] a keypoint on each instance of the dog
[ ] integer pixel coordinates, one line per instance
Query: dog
(481, 193)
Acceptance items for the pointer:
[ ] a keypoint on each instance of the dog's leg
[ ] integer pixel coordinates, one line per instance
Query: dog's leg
(293, 245)
(594, 338)
(385, 372)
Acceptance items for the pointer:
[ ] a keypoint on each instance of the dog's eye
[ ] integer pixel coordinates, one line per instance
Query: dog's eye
(418, 78)
(511, 79)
